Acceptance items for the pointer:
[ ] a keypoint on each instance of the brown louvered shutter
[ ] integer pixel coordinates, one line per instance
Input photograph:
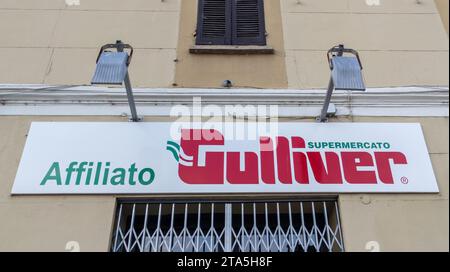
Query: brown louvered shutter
(248, 26)
(214, 22)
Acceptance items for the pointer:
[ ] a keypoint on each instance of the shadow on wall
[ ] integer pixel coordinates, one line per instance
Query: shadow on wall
(443, 7)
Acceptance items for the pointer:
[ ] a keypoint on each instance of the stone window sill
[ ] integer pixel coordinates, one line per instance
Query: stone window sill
(231, 49)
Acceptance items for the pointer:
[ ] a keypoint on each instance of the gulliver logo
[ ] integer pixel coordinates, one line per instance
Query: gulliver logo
(283, 160)
(178, 154)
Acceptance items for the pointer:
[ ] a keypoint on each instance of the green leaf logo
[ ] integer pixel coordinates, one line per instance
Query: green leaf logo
(174, 148)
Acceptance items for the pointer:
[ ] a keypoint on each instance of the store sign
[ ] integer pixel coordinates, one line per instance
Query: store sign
(156, 158)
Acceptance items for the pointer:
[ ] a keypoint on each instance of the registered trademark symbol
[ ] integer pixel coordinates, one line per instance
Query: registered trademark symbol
(404, 180)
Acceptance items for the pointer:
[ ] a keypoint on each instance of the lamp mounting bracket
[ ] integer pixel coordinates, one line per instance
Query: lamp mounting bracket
(120, 47)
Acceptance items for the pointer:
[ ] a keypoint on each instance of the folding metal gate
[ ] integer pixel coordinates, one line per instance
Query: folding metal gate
(283, 226)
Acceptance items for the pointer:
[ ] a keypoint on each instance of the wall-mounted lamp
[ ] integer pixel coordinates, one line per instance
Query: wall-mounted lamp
(112, 69)
(346, 74)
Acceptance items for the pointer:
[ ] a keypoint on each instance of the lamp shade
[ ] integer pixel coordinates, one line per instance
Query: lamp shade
(347, 74)
(111, 68)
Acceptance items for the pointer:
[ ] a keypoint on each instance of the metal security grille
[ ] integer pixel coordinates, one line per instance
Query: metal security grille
(284, 226)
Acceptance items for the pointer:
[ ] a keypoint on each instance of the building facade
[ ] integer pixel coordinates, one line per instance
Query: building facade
(48, 53)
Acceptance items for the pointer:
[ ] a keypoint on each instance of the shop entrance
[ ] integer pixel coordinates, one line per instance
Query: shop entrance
(241, 226)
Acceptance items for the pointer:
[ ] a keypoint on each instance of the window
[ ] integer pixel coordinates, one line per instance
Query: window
(231, 22)
(259, 226)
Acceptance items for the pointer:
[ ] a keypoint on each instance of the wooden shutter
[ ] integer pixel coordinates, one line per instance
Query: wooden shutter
(225, 22)
(214, 22)
(248, 26)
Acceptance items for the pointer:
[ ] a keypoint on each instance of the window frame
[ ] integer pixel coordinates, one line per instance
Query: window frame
(230, 38)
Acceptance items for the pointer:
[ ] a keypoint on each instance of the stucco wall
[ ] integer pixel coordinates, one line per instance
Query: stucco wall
(410, 222)
(401, 42)
(47, 223)
(46, 41)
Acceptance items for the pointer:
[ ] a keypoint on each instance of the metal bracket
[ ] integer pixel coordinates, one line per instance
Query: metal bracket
(114, 67)
(336, 52)
(134, 116)
(119, 46)
(139, 118)
(339, 51)
(331, 112)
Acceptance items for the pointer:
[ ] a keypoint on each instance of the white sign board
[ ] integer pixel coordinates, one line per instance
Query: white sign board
(157, 158)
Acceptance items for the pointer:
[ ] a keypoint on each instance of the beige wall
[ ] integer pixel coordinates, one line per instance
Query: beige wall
(259, 71)
(408, 222)
(48, 42)
(46, 223)
(443, 7)
(401, 43)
